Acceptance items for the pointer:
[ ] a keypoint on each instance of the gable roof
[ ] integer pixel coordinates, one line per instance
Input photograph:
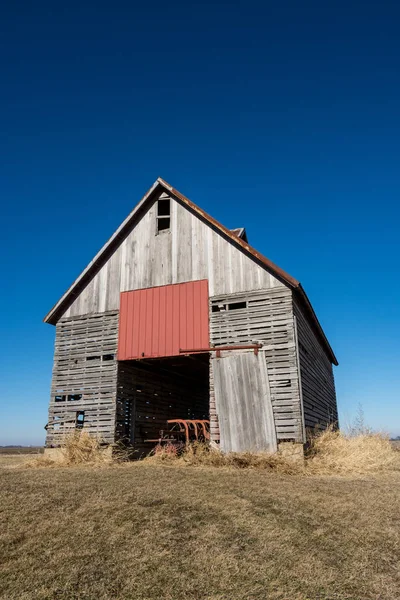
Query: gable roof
(232, 235)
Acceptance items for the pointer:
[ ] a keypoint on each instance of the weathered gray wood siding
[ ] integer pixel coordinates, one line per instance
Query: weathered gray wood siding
(266, 319)
(243, 402)
(84, 365)
(317, 381)
(190, 250)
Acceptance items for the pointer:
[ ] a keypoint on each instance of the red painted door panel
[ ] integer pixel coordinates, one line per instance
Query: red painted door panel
(160, 321)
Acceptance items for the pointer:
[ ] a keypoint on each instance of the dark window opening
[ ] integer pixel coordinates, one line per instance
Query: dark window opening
(163, 208)
(236, 305)
(80, 419)
(163, 223)
(230, 306)
(93, 357)
(218, 307)
(59, 398)
(163, 215)
(108, 356)
(74, 397)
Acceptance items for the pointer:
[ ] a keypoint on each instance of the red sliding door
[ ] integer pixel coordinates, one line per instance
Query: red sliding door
(161, 321)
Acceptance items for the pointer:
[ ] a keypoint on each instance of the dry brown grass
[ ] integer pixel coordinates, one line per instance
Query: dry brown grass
(156, 532)
(227, 527)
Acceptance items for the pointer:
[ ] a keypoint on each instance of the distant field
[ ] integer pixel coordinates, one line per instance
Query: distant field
(23, 450)
(145, 532)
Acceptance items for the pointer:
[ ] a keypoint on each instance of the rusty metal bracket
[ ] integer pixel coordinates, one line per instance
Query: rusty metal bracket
(219, 349)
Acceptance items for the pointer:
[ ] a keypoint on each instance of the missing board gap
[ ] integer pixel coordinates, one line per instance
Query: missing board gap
(80, 419)
(74, 397)
(56, 423)
(229, 306)
(108, 357)
(236, 305)
(59, 398)
(93, 357)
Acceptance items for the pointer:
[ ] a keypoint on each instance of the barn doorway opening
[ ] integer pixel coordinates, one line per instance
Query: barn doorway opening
(152, 391)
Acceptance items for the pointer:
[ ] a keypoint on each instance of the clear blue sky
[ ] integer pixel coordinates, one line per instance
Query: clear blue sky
(280, 116)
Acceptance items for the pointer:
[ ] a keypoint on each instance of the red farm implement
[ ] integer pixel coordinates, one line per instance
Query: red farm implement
(184, 431)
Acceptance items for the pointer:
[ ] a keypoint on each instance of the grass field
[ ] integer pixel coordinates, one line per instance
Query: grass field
(21, 450)
(144, 532)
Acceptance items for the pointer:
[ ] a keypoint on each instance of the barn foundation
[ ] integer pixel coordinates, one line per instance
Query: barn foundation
(291, 451)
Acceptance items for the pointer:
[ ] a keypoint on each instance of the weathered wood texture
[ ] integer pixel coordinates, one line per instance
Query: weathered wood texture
(84, 376)
(190, 250)
(243, 402)
(267, 318)
(149, 395)
(317, 381)
(214, 422)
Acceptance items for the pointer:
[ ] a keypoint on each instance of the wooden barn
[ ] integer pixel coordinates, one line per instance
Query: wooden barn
(178, 319)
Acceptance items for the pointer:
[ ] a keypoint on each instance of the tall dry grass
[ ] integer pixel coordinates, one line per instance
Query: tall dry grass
(355, 453)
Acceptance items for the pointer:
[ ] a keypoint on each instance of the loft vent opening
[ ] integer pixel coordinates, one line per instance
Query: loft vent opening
(163, 214)
(236, 305)
(230, 306)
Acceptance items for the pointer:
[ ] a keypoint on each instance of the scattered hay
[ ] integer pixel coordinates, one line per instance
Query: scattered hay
(330, 452)
(202, 455)
(77, 448)
(335, 452)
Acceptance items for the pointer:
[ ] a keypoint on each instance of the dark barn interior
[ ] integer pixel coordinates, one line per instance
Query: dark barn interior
(152, 391)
